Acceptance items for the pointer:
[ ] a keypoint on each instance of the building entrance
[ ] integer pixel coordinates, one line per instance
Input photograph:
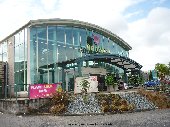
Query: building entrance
(69, 78)
(101, 82)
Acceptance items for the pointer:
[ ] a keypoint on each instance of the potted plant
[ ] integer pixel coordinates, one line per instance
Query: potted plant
(111, 82)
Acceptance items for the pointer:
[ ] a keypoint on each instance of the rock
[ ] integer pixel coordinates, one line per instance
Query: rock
(140, 102)
(84, 105)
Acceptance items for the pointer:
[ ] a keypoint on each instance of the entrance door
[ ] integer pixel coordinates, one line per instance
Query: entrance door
(101, 82)
(69, 79)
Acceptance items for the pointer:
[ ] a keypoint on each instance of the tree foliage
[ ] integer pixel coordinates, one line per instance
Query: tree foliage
(110, 79)
(135, 80)
(150, 76)
(85, 85)
(162, 70)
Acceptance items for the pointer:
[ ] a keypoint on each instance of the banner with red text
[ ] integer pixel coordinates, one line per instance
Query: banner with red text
(43, 90)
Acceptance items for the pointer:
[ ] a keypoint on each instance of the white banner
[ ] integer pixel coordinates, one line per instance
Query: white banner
(93, 84)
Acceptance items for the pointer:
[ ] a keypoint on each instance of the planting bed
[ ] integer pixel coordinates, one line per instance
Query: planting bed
(96, 103)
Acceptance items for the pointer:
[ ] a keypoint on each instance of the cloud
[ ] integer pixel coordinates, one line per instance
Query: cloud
(13, 15)
(129, 15)
(49, 4)
(150, 38)
(16, 13)
(159, 1)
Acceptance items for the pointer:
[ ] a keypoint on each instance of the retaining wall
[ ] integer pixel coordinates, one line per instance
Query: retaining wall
(78, 106)
(20, 105)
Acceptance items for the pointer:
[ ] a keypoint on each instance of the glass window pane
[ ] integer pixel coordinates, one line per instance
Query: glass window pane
(33, 54)
(42, 55)
(105, 44)
(77, 52)
(52, 54)
(69, 52)
(17, 40)
(60, 35)
(26, 46)
(69, 36)
(61, 52)
(16, 66)
(83, 38)
(52, 45)
(76, 36)
(19, 58)
(112, 47)
(42, 47)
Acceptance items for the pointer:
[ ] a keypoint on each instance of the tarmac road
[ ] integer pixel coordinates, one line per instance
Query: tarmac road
(156, 118)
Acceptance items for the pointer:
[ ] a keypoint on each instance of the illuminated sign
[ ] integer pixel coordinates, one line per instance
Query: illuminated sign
(90, 48)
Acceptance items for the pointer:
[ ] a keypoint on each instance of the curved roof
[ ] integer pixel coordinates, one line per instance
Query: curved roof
(75, 23)
(125, 63)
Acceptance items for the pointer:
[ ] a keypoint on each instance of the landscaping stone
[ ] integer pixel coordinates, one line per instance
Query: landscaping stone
(140, 102)
(80, 105)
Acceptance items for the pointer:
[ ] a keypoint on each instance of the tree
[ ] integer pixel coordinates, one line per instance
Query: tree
(141, 79)
(150, 76)
(169, 68)
(162, 70)
(134, 80)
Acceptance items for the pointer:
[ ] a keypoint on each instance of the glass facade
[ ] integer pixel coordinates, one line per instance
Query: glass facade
(20, 57)
(51, 47)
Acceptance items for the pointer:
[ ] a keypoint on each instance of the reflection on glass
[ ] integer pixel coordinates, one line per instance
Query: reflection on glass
(61, 53)
(63, 44)
(60, 35)
(76, 37)
(69, 35)
(83, 37)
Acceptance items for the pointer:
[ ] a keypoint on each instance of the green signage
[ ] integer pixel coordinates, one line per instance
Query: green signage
(92, 47)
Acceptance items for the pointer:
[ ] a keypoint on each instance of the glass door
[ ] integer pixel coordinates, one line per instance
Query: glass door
(69, 79)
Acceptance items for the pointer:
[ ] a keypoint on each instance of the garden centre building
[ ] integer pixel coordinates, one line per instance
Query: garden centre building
(58, 50)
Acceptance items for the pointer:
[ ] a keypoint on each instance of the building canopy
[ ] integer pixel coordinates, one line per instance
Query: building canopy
(125, 63)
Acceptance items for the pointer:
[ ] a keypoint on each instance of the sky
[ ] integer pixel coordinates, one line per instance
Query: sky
(143, 24)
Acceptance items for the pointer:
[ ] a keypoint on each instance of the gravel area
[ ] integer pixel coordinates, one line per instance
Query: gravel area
(78, 105)
(155, 118)
(140, 102)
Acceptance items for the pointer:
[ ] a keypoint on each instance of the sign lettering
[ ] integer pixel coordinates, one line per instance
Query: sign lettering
(43, 90)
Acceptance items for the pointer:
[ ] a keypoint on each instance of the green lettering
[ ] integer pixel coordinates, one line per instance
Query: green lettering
(92, 48)
(88, 47)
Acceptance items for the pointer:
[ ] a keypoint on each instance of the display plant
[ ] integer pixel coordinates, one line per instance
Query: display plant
(85, 85)
(111, 82)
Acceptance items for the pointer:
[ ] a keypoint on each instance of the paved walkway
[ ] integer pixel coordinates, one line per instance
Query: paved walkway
(156, 118)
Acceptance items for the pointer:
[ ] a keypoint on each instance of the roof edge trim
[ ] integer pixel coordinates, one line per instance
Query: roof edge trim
(71, 22)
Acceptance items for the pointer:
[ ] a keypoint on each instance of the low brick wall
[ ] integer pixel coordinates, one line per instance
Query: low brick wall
(11, 106)
(21, 105)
